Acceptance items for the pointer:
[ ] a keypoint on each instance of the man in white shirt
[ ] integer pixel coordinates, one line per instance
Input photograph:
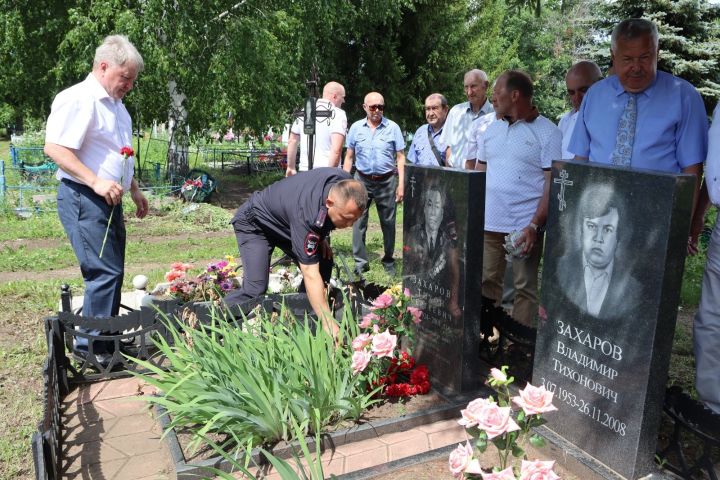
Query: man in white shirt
(578, 80)
(459, 126)
(516, 151)
(329, 133)
(706, 328)
(87, 129)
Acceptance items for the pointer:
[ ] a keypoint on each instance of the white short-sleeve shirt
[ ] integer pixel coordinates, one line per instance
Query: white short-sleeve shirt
(516, 156)
(324, 128)
(478, 129)
(458, 130)
(96, 126)
(566, 126)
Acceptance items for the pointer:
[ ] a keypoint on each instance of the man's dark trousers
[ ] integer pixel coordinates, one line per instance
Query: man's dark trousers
(84, 216)
(256, 248)
(383, 193)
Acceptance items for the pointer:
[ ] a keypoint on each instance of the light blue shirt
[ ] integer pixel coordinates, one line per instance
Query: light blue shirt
(375, 150)
(712, 166)
(671, 128)
(420, 151)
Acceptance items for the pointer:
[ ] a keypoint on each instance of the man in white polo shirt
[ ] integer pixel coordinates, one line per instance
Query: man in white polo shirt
(329, 133)
(87, 129)
(516, 151)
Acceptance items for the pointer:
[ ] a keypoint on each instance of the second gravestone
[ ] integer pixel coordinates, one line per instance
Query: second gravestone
(614, 255)
(444, 214)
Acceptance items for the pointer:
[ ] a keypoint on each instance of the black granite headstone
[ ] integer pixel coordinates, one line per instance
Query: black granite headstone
(444, 214)
(614, 257)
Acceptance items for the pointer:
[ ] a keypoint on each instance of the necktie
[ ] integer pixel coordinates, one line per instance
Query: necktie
(626, 133)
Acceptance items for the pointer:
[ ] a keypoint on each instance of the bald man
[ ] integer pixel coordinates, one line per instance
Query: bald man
(460, 123)
(578, 80)
(329, 133)
(375, 144)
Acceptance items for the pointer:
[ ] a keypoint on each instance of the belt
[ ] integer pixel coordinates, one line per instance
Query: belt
(376, 178)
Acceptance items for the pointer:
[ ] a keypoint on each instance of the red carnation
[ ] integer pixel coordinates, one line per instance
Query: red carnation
(127, 152)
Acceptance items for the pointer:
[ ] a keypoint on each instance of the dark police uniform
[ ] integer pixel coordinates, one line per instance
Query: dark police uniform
(289, 214)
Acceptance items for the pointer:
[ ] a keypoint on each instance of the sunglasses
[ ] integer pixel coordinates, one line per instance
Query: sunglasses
(372, 108)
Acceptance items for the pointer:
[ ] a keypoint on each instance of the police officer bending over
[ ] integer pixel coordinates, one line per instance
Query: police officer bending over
(296, 214)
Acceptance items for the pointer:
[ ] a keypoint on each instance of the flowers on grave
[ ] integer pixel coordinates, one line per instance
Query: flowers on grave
(190, 188)
(378, 355)
(126, 153)
(487, 420)
(214, 282)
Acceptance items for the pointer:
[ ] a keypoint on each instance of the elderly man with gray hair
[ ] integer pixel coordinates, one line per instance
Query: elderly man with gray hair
(460, 124)
(641, 117)
(427, 148)
(89, 137)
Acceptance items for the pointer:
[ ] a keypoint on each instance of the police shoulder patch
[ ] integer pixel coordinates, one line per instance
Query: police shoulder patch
(312, 241)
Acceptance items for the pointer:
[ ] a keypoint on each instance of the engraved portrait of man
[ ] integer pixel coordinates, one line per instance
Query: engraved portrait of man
(596, 274)
(431, 258)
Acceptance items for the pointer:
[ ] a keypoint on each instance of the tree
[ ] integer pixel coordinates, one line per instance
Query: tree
(29, 35)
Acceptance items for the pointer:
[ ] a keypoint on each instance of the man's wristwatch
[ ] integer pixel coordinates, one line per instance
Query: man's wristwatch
(536, 227)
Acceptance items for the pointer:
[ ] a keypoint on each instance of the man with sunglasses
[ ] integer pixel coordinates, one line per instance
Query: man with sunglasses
(578, 80)
(375, 144)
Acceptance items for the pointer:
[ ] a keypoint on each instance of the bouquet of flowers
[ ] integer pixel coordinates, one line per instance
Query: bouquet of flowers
(489, 421)
(377, 355)
(214, 283)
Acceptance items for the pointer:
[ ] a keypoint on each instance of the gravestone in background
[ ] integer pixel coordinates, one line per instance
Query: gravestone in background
(444, 214)
(604, 348)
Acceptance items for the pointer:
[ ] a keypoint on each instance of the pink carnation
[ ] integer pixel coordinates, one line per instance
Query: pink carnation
(383, 301)
(383, 344)
(537, 470)
(534, 400)
(416, 314)
(183, 267)
(506, 474)
(173, 275)
(406, 292)
(488, 416)
(461, 461)
(360, 360)
(361, 341)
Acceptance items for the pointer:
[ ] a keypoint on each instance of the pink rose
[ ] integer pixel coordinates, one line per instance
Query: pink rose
(406, 292)
(506, 474)
(361, 341)
(534, 400)
(383, 301)
(383, 344)
(360, 360)
(368, 320)
(498, 375)
(461, 461)
(416, 314)
(488, 416)
(537, 470)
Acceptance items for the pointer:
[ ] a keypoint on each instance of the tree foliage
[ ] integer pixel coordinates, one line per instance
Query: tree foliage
(250, 58)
